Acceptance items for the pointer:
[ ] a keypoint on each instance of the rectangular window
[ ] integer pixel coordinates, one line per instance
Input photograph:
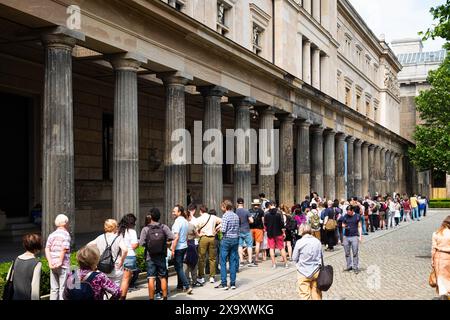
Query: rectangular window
(368, 111)
(358, 103)
(107, 145)
(257, 39)
(348, 98)
(223, 11)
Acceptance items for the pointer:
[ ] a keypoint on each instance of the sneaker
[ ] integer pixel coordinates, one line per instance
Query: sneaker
(189, 290)
(241, 265)
(212, 280)
(180, 289)
(252, 264)
(158, 296)
(274, 266)
(356, 271)
(201, 280)
(221, 286)
(287, 266)
(198, 284)
(233, 287)
(347, 269)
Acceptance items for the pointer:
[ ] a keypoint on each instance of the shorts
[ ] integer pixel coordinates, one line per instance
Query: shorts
(257, 235)
(130, 263)
(245, 239)
(276, 243)
(156, 267)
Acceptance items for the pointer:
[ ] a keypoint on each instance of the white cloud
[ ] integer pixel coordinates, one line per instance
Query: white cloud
(398, 19)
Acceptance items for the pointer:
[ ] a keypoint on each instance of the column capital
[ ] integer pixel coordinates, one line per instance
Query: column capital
(317, 130)
(350, 139)
(329, 132)
(242, 101)
(61, 37)
(304, 123)
(341, 136)
(358, 143)
(268, 110)
(372, 147)
(175, 77)
(366, 144)
(286, 117)
(126, 61)
(212, 91)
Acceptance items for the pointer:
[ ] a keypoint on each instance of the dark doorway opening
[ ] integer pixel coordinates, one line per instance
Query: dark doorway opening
(15, 112)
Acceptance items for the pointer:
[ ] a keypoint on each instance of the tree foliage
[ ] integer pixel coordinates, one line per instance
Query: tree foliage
(433, 136)
(432, 149)
(442, 29)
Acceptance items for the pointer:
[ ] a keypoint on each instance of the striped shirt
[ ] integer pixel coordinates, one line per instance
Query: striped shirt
(230, 225)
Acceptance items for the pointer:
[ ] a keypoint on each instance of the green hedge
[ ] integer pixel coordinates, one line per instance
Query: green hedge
(440, 200)
(45, 273)
(439, 204)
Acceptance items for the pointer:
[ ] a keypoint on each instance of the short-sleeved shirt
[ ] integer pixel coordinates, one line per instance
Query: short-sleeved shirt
(413, 201)
(243, 215)
(58, 241)
(206, 225)
(143, 238)
(351, 222)
(274, 223)
(258, 215)
(181, 226)
(130, 239)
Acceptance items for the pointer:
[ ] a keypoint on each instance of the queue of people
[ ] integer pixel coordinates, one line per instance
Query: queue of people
(206, 244)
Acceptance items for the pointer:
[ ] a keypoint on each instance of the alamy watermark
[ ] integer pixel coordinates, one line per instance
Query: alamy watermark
(242, 147)
(73, 22)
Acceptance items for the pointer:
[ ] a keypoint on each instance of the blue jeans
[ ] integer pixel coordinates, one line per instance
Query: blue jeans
(178, 264)
(415, 213)
(363, 222)
(229, 249)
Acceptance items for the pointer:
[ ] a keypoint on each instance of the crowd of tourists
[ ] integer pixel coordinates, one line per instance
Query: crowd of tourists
(200, 244)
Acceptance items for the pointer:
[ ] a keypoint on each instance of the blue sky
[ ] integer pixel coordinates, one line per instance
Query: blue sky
(399, 18)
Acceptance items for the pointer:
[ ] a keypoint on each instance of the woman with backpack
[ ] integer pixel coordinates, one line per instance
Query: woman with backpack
(87, 283)
(113, 251)
(291, 227)
(329, 225)
(129, 235)
(314, 221)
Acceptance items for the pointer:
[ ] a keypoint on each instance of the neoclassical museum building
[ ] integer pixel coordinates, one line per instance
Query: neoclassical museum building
(92, 90)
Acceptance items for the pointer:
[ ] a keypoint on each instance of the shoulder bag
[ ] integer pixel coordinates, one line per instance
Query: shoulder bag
(325, 278)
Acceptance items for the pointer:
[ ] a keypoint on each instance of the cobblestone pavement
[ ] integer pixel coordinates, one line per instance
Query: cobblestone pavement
(395, 265)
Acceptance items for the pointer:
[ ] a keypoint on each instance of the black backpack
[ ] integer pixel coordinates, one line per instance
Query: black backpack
(291, 224)
(79, 291)
(156, 240)
(107, 261)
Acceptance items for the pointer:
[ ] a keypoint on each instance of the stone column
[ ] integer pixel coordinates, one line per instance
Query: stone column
(329, 165)
(126, 146)
(303, 161)
(306, 61)
(340, 166)
(286, 177)
(401, 175)
(212, 170)
(316, 67)
(307, 5)
(358, 169)
(350, 167)
(396, 171)
(372, 171)
(388, 172)
(317, 160)
(365, 169)
(174, 169)
(58, 150)
(377, 170)
(316, 10)
(243, 169)
(383, 172)
(266, 171)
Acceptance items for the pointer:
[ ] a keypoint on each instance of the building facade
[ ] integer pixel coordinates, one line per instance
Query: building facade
(413, 79)
(94, 106)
